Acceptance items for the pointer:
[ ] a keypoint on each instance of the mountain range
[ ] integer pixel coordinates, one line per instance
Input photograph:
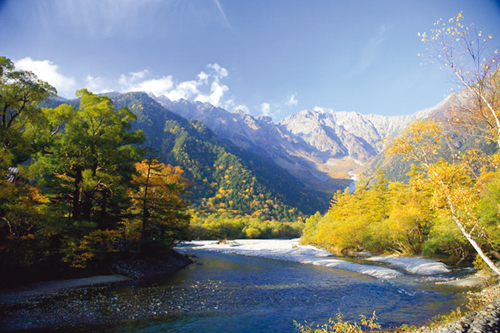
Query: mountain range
(322, 148)
(254, 166)
(223, 177)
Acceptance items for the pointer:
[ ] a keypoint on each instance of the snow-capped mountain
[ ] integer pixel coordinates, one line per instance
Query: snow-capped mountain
(318, 146)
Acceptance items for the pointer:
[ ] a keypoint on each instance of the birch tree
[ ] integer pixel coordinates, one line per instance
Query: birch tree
(455, 183)
(471, 55)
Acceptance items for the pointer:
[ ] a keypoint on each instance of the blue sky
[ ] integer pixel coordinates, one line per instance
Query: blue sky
(267, 57)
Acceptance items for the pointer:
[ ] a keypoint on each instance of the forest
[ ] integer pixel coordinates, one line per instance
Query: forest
(83, 181)
(76, 185)
(81, 185)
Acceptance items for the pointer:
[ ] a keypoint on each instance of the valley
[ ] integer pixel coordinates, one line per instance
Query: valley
(319, 147)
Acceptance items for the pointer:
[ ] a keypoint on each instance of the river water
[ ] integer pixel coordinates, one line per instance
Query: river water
(232, 293)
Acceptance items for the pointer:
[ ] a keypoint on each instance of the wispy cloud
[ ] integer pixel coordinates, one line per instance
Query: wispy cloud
(103, 18)
(96, 84)
(369, 52)
(292, 101)
(223, 14)
(241, 107)
(273, 109)
(49, 72)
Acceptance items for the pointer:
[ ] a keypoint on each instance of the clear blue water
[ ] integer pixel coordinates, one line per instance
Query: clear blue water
(255, 294)
(231, 293)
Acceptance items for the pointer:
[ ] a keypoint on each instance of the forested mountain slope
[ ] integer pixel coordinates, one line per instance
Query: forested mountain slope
(223, 177)
(321, 147)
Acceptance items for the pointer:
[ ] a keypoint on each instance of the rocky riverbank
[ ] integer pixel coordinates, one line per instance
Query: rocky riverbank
(64, 304)
(484, 317)
(144, 268)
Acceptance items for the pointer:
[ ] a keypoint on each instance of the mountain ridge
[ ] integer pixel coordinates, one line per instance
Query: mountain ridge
(321, 147)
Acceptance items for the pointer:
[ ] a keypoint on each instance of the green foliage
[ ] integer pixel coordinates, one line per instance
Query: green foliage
(72, 200)
(222, 181)
(311, 229)
(223, 178)
(88, 163)
(77, 252)
(20, 93)
(227, 226)
(446, 240)
(83, 162)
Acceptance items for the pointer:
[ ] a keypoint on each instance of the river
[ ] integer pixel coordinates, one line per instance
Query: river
(232, 293)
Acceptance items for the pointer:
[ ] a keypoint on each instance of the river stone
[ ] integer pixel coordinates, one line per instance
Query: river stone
(143, 268)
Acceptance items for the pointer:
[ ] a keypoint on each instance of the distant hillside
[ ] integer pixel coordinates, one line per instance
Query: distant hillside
(224, 176)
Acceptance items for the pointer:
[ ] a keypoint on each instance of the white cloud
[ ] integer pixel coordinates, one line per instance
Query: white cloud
(292, 101)
(320, 109)
(136, 81)
(266, 109)
(96, 84)
(369, 52)
(203, 77)
(157, 87)
(47, 71)
(206, 88)
(184, 90)
(217, 91)
(241, 107)
(220, 72)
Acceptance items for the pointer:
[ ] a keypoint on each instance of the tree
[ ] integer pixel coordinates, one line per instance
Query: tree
(468, 54)
(158, 204)
(455, 183)
(88, 165)
(20, 93)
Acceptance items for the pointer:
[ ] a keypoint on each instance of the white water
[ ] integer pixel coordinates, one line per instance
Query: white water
(414, 265)
(291, 250)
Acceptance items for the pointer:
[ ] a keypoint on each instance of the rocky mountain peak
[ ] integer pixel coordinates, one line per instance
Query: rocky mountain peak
(315, 145)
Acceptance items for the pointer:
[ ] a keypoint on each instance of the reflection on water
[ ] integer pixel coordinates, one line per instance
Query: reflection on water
(245, 294)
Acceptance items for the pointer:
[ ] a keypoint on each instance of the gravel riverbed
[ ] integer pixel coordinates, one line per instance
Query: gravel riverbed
(60, 305)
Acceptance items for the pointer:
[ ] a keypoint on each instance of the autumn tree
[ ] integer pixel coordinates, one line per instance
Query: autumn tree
(468, 53)
(161, 212)
(456, 186)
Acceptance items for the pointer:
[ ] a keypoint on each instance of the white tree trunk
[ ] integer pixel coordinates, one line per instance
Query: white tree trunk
(474, 244)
